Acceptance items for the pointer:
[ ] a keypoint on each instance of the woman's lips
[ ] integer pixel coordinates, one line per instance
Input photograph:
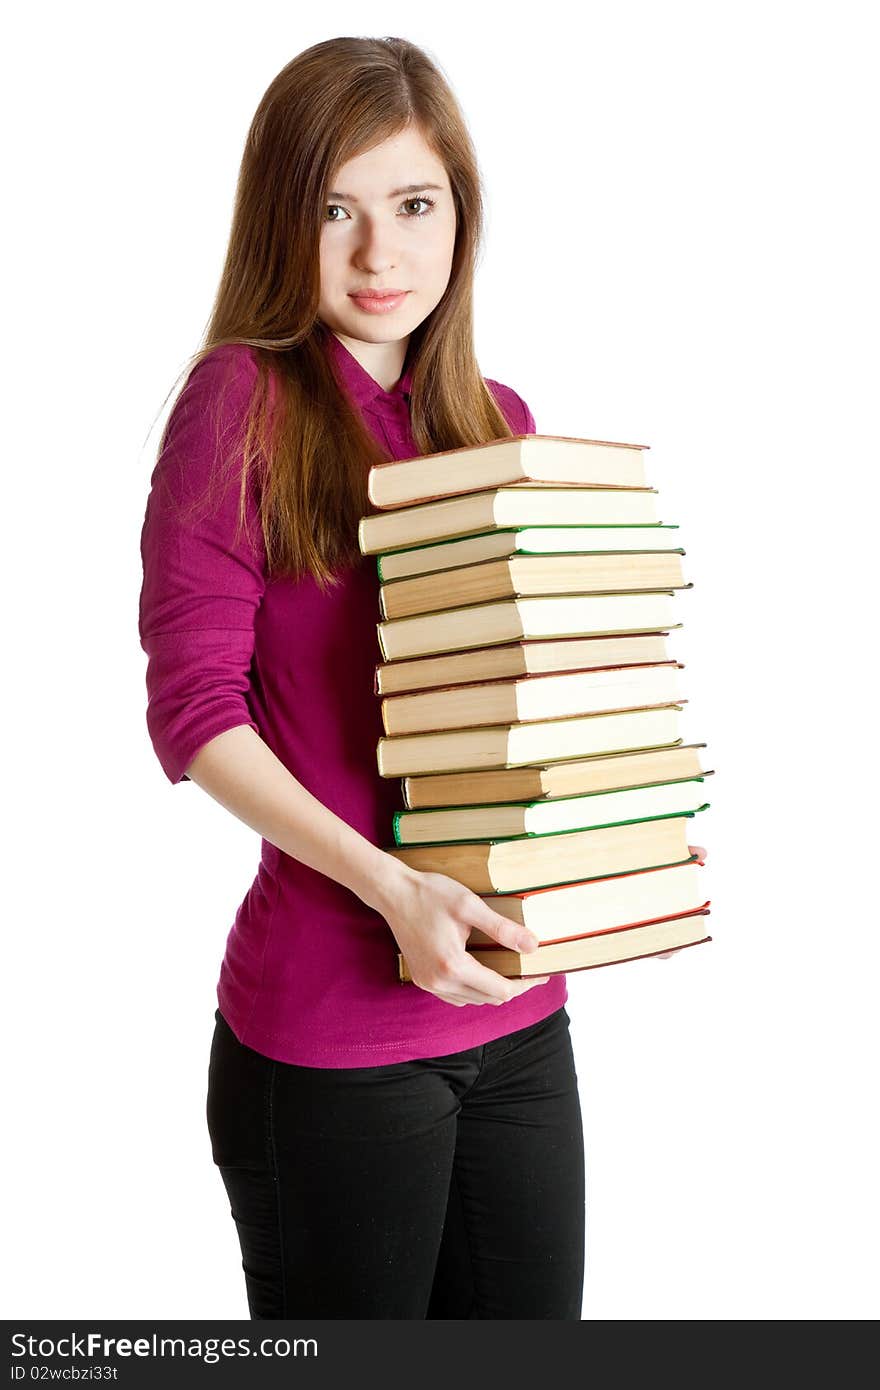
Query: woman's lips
(378, 304)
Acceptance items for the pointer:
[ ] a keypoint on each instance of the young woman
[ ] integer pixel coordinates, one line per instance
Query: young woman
(388, 1150)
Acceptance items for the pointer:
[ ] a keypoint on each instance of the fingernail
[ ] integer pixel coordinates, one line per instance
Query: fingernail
(528, 943)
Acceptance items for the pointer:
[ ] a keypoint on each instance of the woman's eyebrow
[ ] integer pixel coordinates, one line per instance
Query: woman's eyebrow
(395, 192)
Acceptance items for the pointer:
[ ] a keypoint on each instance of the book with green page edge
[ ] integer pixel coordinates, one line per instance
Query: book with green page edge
(586, 878)
(486, 821)
(537, 861)
(500, 509)
(444, 554)
(541, 834)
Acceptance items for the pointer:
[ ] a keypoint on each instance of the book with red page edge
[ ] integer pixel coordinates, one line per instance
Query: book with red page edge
(490, 945)
(646, 955)
(523, 641)
(627, 873)
(597, 965)
(526, 676)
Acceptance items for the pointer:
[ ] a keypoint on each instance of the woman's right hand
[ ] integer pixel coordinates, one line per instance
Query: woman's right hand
(431, 916)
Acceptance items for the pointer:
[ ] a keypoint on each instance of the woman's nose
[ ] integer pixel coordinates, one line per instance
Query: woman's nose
(375, 250)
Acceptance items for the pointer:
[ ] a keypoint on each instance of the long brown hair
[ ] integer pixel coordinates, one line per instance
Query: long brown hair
(309, 443)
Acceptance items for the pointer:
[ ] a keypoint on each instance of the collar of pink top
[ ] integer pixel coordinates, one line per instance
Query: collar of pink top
(362, 387)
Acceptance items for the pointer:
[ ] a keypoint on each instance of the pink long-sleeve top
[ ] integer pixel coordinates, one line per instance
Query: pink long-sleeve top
(309, 974)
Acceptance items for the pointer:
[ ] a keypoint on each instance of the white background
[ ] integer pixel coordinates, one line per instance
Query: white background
(681, 251)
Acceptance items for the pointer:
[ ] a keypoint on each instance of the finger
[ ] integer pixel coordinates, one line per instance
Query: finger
(501, 929)
(499, 988)
(483, 1000)
(698, 851)
(482, 980)
(517, 987)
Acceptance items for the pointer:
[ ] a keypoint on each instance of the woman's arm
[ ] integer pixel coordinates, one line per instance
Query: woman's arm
(430, 915)
(203, 585)
(239, 770)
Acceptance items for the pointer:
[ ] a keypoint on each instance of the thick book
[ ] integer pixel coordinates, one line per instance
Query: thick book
(503, 507)
(505, 820)
(535, 861)
(542, 741)
(533, 697)
(588, 951)
(571, 777)
(557, 615)
(526, 540)
(516, 575)
(524, 458)
(600, 904)
(523, 658)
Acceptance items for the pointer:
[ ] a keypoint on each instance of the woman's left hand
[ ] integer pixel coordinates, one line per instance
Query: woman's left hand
(701, 857)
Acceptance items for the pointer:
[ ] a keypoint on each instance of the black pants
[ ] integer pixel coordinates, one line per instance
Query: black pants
(445, 1187)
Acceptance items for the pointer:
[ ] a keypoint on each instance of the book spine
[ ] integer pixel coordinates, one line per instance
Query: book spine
(395, 826)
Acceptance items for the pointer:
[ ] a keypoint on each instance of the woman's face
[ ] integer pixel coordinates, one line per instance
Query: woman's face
(389, 223)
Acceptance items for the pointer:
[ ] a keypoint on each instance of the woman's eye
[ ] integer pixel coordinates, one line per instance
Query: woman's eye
(429, 207)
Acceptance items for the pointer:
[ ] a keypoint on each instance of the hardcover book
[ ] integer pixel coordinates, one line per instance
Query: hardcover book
(523, 458)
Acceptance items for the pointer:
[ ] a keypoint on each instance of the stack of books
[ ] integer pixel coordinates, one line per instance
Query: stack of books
(529, 701)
